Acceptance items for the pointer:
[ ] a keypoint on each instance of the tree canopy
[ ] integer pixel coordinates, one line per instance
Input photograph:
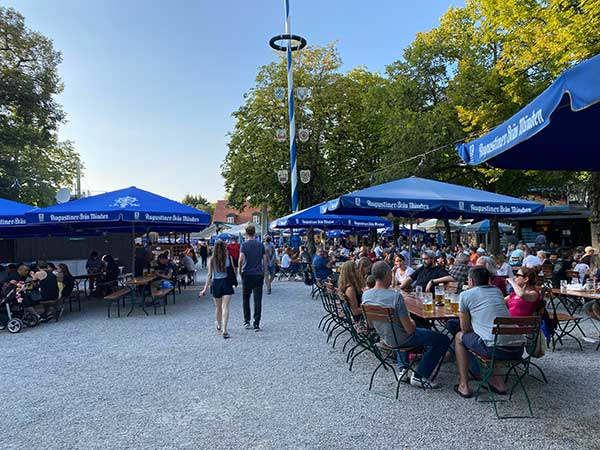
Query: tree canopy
(199, 202)
(30, 115)
(480, 65)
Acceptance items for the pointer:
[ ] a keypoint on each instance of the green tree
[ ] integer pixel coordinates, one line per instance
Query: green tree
(30, 116)
(199, 202)
(344, 134)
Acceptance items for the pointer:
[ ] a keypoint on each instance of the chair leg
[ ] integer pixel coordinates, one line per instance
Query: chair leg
(338, 335)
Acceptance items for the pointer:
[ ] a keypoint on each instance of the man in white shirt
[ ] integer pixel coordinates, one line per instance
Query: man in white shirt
(378, 251)
(532, 261)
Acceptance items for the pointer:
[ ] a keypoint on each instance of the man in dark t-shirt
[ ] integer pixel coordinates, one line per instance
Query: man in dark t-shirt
(428, 275)
(252, 262)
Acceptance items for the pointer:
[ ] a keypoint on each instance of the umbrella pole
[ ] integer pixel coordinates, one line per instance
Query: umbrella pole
(410, 230)
(133, 248)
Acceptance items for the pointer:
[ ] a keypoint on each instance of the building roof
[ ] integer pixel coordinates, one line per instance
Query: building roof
(222, 210)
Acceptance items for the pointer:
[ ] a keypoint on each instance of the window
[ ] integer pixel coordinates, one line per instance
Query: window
(256, 218)
(231, 218)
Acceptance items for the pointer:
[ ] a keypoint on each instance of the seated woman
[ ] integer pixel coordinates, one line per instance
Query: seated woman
(495, 280)
(364, 267)
(67, 280)
(525, 298)
(350, 288)
(110, 275)
(400, 271)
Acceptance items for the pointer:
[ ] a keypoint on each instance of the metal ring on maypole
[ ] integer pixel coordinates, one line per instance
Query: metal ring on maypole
(301, 42)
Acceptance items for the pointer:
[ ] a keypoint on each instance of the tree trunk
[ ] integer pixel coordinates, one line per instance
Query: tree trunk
(447, 232)
(494, 247)
(264, 218)
(595, 209)
(310, 242)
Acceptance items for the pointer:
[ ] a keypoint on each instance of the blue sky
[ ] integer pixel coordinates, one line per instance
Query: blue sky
(150, 86)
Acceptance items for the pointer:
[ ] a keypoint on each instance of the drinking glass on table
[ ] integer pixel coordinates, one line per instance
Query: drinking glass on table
(448, 299)
(419, 292)
(454, 302)
(428, 302)
(439, 293)
(563, 285)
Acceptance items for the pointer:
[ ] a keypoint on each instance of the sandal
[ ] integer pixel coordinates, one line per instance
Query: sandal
(460, 393)
(218, 325)
(225, 335)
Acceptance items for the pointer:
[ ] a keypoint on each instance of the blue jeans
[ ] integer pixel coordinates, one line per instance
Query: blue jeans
(435, 345)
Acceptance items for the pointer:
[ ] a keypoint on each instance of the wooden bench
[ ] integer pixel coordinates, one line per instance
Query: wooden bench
(116, 297)
(161, 294)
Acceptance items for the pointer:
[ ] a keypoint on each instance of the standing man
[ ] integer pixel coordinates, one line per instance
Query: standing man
(253, 263)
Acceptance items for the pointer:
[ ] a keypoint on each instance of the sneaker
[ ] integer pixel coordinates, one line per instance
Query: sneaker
(217, 326)
(424, 383)
(269, 291)
(247, 326)
(401, 373)
(256, 328)
(591, 340)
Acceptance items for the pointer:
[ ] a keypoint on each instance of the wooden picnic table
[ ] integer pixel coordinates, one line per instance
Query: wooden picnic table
(138, 285)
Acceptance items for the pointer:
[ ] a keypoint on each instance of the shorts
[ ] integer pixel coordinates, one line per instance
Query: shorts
(221, 287)
(473, 342)
(271, 270)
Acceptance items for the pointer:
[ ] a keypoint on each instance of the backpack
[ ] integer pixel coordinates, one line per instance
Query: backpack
(309, 279)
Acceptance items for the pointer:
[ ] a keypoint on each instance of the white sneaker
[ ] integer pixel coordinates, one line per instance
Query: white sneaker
(424, 383)
(591, 340)
(401, 373)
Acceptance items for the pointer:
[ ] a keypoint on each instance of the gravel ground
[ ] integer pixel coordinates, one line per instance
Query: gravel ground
(171, 382)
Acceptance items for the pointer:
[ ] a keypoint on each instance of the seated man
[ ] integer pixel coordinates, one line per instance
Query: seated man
(165, 270)
(187, 265)
(428, 275)
(321, 265)
(407, 334)
(47, 283)
(478, 308)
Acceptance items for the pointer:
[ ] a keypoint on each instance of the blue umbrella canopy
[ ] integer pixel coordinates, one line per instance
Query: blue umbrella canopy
(313, 217)
(484, 227)
(12, 213)
(119, 211)
(556, 131)
(419, 197)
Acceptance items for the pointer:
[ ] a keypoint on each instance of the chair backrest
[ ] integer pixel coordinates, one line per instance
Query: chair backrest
(572, 274)
(527, 327)
(384, 314)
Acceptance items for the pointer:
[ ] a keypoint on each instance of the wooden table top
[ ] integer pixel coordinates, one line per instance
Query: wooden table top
(140, 281)
(590, 295)
(415, 307)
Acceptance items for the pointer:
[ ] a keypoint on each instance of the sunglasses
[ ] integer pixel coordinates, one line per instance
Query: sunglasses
(519, 275)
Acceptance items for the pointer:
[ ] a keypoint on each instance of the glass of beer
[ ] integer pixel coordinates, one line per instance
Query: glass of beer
(448, 300)
(439, 294)
(563, 285)
(427, 302)
(454, 303)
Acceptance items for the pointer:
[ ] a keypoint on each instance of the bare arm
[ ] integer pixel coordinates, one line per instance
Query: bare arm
(241, 261)
(529, 295)
(406, 283)
(408, 324)
(208, 278)
(465, 322)
(350, 295)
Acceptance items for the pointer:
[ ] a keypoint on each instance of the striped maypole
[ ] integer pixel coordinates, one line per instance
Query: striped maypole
(290, 80)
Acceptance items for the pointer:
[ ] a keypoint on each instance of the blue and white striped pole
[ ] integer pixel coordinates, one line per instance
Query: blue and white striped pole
(290, 79)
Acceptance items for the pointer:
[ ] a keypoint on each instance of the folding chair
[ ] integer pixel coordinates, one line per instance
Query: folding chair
(388, 315)
(565, 324)
(526, 327)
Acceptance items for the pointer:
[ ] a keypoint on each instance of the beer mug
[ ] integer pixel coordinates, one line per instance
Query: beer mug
(439, 294)
(454, 302)
(448, 299)
(428, 302)
(563, 286)
(419, 292)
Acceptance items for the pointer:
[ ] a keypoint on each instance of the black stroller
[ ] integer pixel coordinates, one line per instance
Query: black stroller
(16, 314)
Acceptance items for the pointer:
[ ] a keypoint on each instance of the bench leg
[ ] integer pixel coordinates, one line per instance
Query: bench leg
(165, 305)
(119, 308)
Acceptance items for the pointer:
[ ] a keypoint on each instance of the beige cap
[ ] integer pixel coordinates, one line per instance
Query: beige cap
(590, 248)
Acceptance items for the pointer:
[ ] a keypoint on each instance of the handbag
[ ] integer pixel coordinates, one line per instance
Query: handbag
(231, 276)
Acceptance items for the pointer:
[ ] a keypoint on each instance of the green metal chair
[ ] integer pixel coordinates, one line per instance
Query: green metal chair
(526, 327)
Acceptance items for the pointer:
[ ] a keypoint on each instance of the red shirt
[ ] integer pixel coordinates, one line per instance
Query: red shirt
(234, 250)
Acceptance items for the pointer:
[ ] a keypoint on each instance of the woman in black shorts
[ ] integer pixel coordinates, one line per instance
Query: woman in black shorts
(221, 287)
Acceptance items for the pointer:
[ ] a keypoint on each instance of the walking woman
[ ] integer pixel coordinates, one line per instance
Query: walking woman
(221, 274)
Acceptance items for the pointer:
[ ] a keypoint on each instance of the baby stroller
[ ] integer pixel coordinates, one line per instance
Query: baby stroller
(12, 300)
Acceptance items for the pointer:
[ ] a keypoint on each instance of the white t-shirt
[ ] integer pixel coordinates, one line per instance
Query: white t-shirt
(583, 269)
(286, 261)
(378, 251)
(407, 273)
(532, 261)
(345, 252)
(505, 271)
